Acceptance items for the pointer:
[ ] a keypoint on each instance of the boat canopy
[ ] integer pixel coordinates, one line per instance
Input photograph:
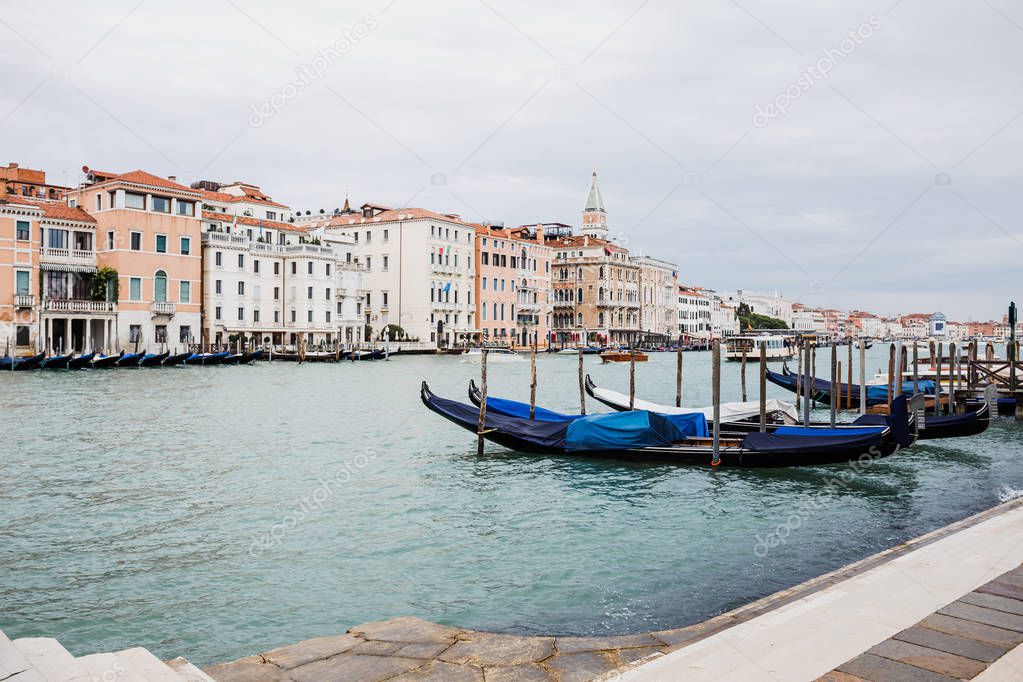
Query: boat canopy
(730, 412)
(514, 408)
(628, 430)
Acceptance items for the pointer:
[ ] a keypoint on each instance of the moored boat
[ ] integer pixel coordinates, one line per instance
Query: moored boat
(779, 347)
(821, 389)
(623, 356)
(82, 361)
(130, 359)
(153, 359)
(10, 364)
(176, 359)
(233, 359)
(251, 357)
(56, 361)
(642, 435)
(106, 361)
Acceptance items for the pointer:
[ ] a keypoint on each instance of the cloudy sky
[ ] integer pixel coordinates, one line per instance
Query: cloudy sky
(858, 155)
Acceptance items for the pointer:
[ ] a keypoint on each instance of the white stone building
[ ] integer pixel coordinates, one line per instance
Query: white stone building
(658, 296)
(694, 313)
(772, 305)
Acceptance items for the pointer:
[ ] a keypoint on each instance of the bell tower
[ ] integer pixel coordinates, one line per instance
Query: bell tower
(594, 214)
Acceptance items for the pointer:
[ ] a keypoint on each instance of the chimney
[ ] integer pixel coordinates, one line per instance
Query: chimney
(586, 240)
(539, 233)
(172, 178)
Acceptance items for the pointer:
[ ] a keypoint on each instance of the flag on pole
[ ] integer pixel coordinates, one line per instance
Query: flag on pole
(447, 287)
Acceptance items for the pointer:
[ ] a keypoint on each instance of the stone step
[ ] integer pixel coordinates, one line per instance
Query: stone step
(51, 660)
(105, 667)
(139, 664)
(187, 670)
(11, 659)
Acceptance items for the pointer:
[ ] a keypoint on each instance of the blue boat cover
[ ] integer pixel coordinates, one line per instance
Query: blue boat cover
(771, 442)
(817, 431)
(513, 408)
(627, 430)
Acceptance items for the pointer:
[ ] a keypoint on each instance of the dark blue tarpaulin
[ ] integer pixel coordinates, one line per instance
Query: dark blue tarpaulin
(627, 430)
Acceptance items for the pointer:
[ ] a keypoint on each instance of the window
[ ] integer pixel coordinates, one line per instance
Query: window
(309, 293)
(484, 283)
(255, 266)
(218, 286)
(309, 268)
(369, 236)
(110, 240)
(185, 292)
(218, 313)
(23, 335)
(385, 235)
(309, 315)
(277, 316)
(384, 294)
(134, 333)
(328, 317)
(294, 268)
(385, 262)
(161, 204)
(369, 264)
(328, 293)
(160, 286)
(135, 289)
(186, 246)
(218, 258)
(294, 317)
(186, 208)
(328, 269)
(161, 243)
(136, 201)
(484, 258)
(160, 333)
(271, 215)
(56, 239)
(241, 288)
(277, 293)
(277, 268)
(24, 278)
(99, 201)
(241, 314)
(185, 334)
(136, 241)
(241, 260)
(255, 315)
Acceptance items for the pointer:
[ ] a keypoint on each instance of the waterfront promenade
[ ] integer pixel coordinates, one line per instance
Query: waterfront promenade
(913, 612)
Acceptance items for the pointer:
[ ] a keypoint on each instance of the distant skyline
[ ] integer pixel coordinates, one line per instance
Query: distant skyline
(857, 157)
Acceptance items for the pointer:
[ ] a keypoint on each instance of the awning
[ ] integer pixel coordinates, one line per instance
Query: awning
(65, 267)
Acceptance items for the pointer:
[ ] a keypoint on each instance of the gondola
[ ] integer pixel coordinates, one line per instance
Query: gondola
(82, 361)
(641, 435)
(56, 361)
(175, 359)
(232, 359)
(106, 361)
(153, 359)
(821, 389)
(130, 359)
(10, 364)
(248, 358)
(206, 358)
(933, 426)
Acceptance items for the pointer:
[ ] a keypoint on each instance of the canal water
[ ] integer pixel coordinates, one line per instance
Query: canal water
(217, 512)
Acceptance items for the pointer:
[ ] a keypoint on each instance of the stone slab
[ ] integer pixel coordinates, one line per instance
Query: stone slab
(928, 659)
(572, 645)
(836, 676)
(437, 671)
(517, 673)
(50, 659)
(248, 669)
(580, 667)
(994, 601)
(11, 659)
(979, 614)
(967, 628)
(354, 668)
(309, 650)
(872, 667)
(406, 629)
(627, 656)
(187, 670)
(952, 644)
(487, 649)
(1002, 590)
(421, 649)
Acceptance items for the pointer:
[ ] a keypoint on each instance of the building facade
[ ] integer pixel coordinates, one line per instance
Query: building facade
(148, 231)
(658, 297)
(513, 286)
(694, 313)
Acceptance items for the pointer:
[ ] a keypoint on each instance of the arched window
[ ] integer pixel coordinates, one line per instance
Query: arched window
(600, 319)
(160, 286)
(579, 295)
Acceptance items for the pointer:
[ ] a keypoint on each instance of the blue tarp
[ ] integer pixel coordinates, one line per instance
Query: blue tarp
(816, 431)
(513, 408)
(627, 430)
(772, 442)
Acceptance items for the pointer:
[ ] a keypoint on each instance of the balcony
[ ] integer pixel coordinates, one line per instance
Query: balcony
(162, 308)
(224, 238)
(57, 305)
(529, 307)
(564, 304)
(24, 300)
(81, 260)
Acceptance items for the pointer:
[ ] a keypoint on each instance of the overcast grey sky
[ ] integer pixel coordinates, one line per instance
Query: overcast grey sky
(891, 182)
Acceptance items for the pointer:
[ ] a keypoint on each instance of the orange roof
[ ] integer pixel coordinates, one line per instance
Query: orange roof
(141, 177)
(253, 197)
(59, 210)
(253, 222)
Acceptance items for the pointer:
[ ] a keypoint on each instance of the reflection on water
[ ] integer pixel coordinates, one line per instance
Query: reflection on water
(215, 512)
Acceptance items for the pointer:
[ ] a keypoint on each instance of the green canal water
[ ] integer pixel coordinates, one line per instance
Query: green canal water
(218, 512)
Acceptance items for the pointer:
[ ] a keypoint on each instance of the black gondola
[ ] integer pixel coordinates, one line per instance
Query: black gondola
(654, 433)
(175, 359)
(106, 361)
(129, 359)
(56, 361)
(821, 389)
(153, 359)
(232, 359)
(82, 361)
(9, 364)
(933, 427)
(248, 358)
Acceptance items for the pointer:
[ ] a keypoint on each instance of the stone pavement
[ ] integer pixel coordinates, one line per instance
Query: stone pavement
(834, 617)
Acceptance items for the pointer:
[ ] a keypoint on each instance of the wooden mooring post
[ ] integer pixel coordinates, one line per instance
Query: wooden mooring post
(891, 375)
(632, 378)
(481, 425)
(833, 402)
(799, 376)
(678, 374)
(532, 380)
(763, 386)
(716, 398)
(849, 382)
(742, 374)
(808, 387)
(937, 382)
(952, 375)
(863, 377)
(582, 388)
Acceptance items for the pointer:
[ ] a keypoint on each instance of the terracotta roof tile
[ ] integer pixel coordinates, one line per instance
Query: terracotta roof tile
(248, 197)
(59, 210)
